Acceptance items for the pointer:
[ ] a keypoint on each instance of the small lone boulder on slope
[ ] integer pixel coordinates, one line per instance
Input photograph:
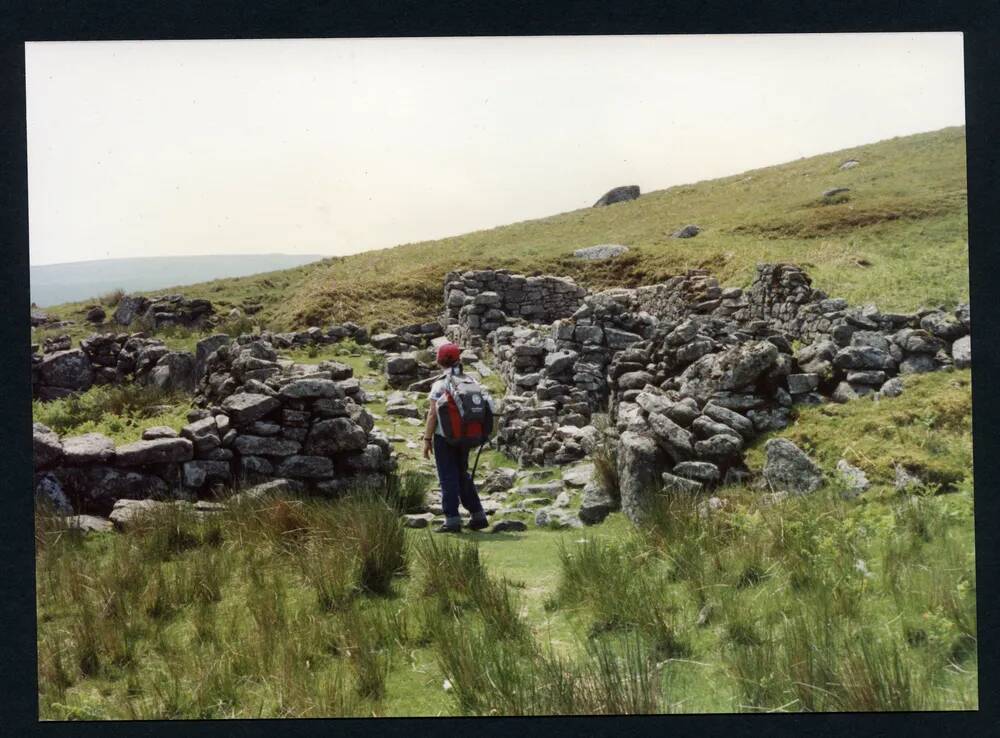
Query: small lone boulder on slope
(618, 194)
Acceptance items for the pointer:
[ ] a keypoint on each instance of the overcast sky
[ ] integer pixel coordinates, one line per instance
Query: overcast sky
(338, 146)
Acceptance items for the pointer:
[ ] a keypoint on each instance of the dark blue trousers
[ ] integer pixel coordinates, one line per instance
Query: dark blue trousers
(456, 483)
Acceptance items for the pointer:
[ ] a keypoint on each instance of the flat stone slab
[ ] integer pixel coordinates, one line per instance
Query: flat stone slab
(550, 517)
(46, 445)
(418, 520)
(88, 523)
(160, 451)
(302, 389)
(90, 448)
(306, 467)
(246, 407)
(578, 476)
(157, 432)
(266, 446)
(274, 487)
(408, 410)
(551, 489)
(127, 512)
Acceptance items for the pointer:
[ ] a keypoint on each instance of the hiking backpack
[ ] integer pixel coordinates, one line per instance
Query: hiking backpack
(465, 415)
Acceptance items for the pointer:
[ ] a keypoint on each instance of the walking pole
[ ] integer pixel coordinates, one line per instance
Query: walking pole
(476, 462)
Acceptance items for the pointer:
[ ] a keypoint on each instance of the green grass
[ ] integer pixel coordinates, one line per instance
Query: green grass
(120, 412)
(928, 429)
(345, 352)
(818, 604)
(265, 611)
(899, 238)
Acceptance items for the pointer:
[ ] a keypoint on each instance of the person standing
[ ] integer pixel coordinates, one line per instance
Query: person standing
(452, 461)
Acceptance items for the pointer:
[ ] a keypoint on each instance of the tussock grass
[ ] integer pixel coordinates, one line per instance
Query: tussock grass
(262, 609)
(605, 457)
(495, 677)
(112, 298)
(817, 604)
(453, 574)
(407, 490)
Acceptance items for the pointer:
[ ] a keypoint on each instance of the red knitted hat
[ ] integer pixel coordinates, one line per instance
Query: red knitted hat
(448, 354)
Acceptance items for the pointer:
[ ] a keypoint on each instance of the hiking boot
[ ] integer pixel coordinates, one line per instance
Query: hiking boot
(478, 524)
(445, 528)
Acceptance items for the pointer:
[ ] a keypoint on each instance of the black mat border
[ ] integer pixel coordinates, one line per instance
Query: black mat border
(137, 19)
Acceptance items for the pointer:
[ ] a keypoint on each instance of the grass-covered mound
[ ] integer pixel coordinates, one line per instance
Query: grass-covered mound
(927, 431)
(898, 237)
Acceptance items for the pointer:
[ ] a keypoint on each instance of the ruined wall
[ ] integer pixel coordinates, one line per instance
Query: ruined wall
(108, 358)
(260, 421)
(482, 301)
(695, 347)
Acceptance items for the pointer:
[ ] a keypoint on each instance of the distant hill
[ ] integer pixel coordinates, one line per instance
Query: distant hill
(897, 236)
(54, 284)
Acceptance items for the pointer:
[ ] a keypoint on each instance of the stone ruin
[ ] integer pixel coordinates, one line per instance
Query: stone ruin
(258, 419)
(107, 358)
(161, 312)
(688, 371)
(479, 302)
(58, 370)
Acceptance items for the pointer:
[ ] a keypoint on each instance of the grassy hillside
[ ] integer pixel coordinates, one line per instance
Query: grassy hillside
(825, 602)
(899, 237)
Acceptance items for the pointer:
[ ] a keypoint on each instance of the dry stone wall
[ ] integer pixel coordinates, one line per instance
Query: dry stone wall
(59, 370)
(479, 302)
(259, 419)
(108, 358)
(690, 371)
(163, 311)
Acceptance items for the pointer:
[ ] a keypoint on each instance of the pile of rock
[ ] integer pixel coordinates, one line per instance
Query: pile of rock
(39, 317)
(42, 319)
(250, 364)
(545, 416)
(783, 296)
(163, 311)
(410, 368)
(689, 431)
(109, 358)
(317, 336)
(309, 428)
(417, 335)
(51, 344)
(558, 375)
